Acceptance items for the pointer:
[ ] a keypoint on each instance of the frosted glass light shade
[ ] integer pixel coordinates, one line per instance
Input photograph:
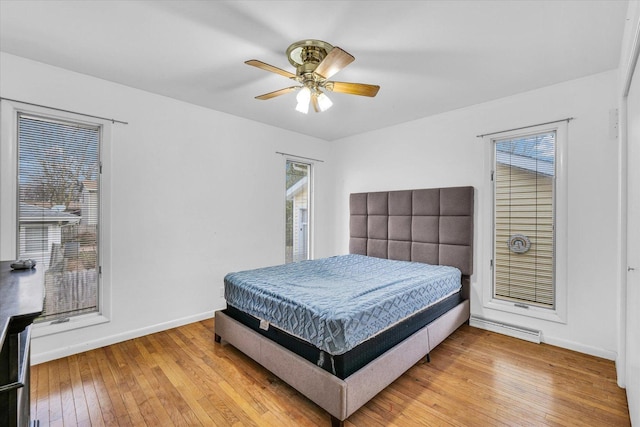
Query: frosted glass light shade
(324, 102)
(303, 98)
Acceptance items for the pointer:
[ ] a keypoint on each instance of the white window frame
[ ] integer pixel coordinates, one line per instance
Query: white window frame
(310, 208)
(9, 111)
(559, 312)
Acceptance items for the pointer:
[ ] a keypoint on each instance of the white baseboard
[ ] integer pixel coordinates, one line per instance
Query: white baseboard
(37, 358)
(539, 337)
(581, 348)
(506, 329)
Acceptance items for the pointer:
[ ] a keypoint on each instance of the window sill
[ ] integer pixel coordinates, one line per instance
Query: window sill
(531, 311)
(49, 328)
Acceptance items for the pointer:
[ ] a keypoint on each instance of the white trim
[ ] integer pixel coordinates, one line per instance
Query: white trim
(630, 54)
(506, 329)
(580, 348)
(311, 211)
(9, 111)
(633, 60)
(490, 325)
(559, 313)
(8, 184)
(74, 322)
(310, 202)
(621, 276)
(37, 358)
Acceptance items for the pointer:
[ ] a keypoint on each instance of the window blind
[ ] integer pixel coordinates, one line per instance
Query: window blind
(58, 210)
(524, 219)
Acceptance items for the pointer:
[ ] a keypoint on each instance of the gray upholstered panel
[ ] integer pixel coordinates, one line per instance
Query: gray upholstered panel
(358, 204)
(400, 251)
(358, 226)
(456, 201)
(456, 230)
(425, 252)
(426, 202)
(425, 229)
(457, 256)
(378, 203)
(428, 225)
(400, 228)
(377, 227)
(358, 245)
(377, 248)
(400, 203)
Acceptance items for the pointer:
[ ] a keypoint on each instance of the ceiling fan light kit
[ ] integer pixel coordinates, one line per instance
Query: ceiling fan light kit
(303, 98)
(316, 62)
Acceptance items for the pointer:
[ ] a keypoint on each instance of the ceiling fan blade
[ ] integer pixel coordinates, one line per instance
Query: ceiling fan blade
(335, 61)
(278, 92)
(353, 88)
(267, 67)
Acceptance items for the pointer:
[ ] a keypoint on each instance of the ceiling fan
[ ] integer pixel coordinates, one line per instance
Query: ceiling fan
(316, 62)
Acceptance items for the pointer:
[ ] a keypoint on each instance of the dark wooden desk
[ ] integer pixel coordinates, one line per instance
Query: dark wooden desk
(21, 298)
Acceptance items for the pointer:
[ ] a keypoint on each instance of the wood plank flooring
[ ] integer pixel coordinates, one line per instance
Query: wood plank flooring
(181, 377)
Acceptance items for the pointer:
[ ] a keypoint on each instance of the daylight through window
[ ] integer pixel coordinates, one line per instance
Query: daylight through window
(58, 210)
(524, 219)
(297, 211)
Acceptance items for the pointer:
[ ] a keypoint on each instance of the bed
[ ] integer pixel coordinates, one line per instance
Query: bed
(341, 370)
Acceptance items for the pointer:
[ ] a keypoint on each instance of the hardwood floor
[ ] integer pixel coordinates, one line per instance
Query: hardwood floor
(181, 377)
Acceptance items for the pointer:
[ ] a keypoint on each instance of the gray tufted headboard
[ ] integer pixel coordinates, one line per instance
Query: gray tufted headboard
(434, 226)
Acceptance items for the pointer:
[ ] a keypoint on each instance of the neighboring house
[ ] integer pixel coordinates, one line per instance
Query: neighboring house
(524, 221)
(68, 287)
(299, 194)
(89, 202)
(40, 228)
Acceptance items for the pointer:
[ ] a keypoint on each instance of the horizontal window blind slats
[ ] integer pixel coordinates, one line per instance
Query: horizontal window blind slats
(539, 258)
(524, 197)
(58, 190)
(541, 283)
(524, 265)
(525, 289)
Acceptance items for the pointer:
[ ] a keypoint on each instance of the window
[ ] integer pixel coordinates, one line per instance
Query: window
(528, 223)
(58, 176)
(298, 176)
(524, 175)
(52, 190)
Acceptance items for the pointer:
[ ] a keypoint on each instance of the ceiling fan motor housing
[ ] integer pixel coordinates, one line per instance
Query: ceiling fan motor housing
(306, 55)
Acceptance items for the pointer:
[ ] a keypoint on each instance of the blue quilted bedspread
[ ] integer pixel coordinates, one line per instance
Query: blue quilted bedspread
(336, 303)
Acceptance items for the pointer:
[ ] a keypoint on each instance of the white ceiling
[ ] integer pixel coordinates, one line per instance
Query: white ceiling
(427, 56)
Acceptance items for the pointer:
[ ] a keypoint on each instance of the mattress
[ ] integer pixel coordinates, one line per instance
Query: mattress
(347, 363)
(337, 303)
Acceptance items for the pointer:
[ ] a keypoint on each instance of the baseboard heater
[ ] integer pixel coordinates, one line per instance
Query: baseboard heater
(506, 329)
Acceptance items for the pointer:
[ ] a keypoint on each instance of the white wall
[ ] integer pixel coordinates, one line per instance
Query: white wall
(195, 194)
(443, 150)
(198, 193)
(628, 362)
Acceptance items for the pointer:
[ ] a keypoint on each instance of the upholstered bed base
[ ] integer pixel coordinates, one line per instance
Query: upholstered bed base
(434, 226)
(338, 397)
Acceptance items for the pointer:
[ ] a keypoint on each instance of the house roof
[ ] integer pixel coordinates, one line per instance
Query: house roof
(535, 153)
(31, 213)
(297, 188)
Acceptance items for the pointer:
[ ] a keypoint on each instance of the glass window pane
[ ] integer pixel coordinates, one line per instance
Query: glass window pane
(297, 211)
(58, 181)
(524, 219)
